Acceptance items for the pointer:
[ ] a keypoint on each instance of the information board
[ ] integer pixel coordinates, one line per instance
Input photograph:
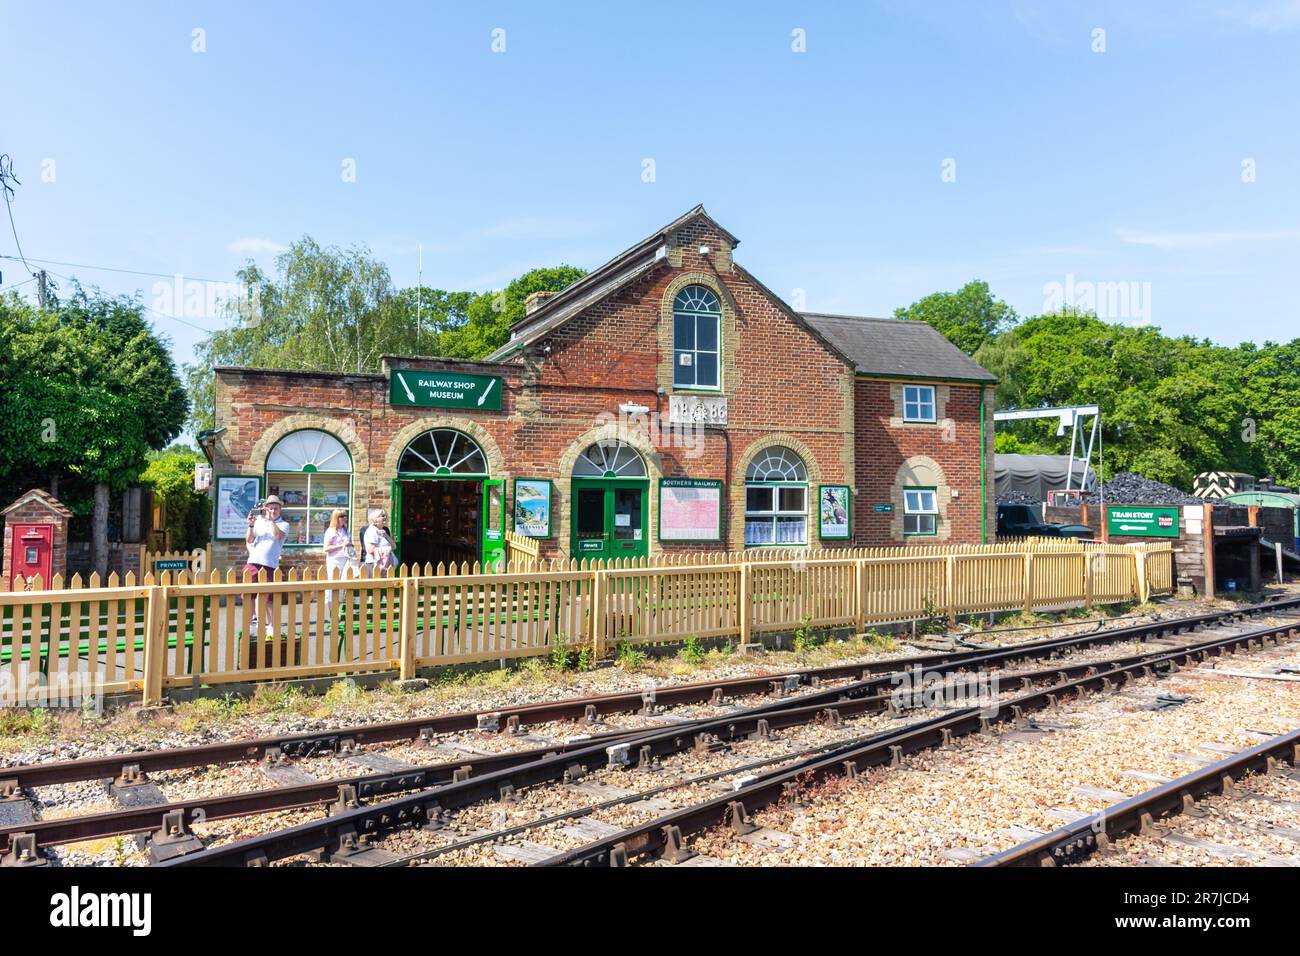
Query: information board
(690, 509)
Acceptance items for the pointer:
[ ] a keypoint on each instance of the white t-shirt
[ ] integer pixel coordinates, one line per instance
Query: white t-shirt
(371, 540)
(265, 549)
(332, 539)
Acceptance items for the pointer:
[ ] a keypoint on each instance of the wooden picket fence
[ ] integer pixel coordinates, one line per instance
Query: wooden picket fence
(207, 629)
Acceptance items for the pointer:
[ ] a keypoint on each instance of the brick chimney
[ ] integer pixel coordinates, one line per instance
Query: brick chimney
(535, 301)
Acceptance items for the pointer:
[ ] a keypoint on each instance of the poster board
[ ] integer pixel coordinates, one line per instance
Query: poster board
(532, 507)
(690, 509)
(834, 505)
(237, 495)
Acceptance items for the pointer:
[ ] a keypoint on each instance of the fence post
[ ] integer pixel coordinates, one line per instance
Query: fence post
(1088, 556)
(860, 597)
(597, 615)
(744, 609)
(1029, 581)
(406, 655)
(951, 573)
(1140, 575)
(155, 645)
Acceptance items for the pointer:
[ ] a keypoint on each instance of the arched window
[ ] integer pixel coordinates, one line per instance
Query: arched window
(609, 459)
(443, 451)
(697, 316)
(776, 499)
(310, 471)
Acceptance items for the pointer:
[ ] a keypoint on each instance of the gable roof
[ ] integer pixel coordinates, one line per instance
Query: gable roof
(602, 282)
(42, 497)
(897, 348)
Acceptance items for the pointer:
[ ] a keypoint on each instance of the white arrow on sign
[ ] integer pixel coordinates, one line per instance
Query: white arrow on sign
(410, 395)
(1132, 527)
(483, 398)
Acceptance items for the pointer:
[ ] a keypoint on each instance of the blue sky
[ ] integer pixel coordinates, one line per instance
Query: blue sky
(1072, 166)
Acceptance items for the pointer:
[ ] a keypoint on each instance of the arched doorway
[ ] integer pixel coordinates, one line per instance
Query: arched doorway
(445, 507)
(611, 491)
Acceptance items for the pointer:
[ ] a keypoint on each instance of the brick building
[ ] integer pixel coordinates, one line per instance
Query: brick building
(666, 401)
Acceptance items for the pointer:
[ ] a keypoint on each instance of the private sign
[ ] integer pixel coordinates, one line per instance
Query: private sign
(444, 390)
(1142, 522)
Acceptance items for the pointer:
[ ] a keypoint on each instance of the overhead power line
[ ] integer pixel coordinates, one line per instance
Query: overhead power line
(130, 272)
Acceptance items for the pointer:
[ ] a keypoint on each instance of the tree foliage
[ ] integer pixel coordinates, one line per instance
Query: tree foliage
(86, 389)
(335, 310)
(968, 317)
(188, 513)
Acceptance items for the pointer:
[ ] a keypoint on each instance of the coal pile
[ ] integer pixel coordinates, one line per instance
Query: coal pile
(1018, 498)
(1127, 488)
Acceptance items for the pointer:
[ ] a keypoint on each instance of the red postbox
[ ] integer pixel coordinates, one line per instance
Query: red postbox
(33, 553)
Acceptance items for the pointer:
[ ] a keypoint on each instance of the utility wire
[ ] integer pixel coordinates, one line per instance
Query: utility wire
(17, 284)
(161, 315)
(131, 272)
(7, 176)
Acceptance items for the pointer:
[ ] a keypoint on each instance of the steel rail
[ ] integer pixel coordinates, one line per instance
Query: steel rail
(329, 740)
(668, 832)
(1074, 842)
(347, 831)
(144, 819)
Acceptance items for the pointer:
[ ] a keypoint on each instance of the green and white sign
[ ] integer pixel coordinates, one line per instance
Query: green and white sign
(883, 508)
(171, 564)
(426, 389)
(1143, 522)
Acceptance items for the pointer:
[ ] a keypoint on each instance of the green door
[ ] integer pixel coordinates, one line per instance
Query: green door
(494, 522)
(610, 518)
(394, 523)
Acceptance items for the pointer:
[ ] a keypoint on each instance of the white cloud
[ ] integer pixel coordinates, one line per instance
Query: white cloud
(252, 246)
(1203, 240)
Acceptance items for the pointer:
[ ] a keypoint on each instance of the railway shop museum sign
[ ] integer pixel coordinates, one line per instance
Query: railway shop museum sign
(426, 389)
(1144, 522)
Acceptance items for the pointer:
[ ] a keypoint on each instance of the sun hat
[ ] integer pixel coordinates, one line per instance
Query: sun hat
(273, 500)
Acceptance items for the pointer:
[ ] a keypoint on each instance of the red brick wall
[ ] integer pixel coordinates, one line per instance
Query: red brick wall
(783, 384)
(886, 444)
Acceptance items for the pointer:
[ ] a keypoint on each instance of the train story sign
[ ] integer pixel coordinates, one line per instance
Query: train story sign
(1142, 521)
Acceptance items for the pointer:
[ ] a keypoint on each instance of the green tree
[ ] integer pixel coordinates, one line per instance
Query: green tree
(968, 318)
(335, 310)
(1171, 407)
(88, 389)
(1271, 425)
(187, 513)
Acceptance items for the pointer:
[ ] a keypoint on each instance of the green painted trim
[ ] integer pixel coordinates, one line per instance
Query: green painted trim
(698, 482)
(922, 378)
(834, 537)
(984, 489)
(934, 514)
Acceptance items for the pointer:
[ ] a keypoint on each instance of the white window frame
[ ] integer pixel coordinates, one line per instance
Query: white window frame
(915, 397)
(696, 316)
(926, 514)
(776, 468)
(309, 456)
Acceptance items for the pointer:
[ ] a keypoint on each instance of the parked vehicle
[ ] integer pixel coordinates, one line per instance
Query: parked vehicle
(1023, 521)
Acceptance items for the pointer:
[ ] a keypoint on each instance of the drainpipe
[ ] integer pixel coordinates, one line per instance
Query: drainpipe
(984, 488)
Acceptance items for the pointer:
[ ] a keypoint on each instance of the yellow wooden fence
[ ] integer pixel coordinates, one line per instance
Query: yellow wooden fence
(206, 629)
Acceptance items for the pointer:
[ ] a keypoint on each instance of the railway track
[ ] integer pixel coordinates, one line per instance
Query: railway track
(667, 834)
(111, 767)
(1138, 815)
(167, 822)
(352, 831)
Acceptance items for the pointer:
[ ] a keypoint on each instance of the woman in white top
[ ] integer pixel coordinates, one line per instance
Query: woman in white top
(378, 543)
(340, 559)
